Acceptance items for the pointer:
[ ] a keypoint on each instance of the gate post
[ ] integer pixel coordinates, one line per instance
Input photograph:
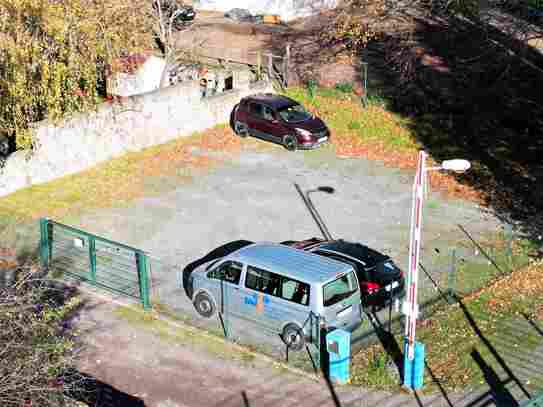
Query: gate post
(92, 258)
(45, 252)
(451, 278)
(143, 277)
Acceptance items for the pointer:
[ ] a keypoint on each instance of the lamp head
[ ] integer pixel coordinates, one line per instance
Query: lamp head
(456, 165)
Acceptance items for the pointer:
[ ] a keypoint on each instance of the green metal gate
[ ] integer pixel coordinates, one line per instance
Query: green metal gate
(101, 262)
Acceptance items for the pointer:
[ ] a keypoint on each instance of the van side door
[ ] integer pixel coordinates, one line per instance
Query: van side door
(274, 300)
(224, 283)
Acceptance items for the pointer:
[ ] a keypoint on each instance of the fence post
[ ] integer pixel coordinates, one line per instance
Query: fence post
(92, 258)
(318, 340)
(508, 235)
(258, 65)
(143, 276)
(286, 65)
(270, 67)
(451, 283)
(45, 244)
(365, 96)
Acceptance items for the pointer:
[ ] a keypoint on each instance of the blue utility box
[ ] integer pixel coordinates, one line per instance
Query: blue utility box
(413, 372)
(338, 345)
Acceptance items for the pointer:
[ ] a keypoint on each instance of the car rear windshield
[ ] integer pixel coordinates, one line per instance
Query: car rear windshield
(339, 289)
(294, 114)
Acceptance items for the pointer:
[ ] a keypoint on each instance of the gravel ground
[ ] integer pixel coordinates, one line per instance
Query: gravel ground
(252, 196)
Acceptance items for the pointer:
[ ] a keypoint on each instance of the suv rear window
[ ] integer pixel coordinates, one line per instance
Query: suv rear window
(339, 289)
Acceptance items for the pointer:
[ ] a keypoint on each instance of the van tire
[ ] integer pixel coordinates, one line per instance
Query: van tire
(204, 305)
(293, 337)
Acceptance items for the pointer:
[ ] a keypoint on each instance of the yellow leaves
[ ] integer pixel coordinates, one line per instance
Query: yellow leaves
(50, 49)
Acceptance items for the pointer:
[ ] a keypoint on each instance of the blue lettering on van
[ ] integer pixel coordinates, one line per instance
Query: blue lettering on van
(251, 299)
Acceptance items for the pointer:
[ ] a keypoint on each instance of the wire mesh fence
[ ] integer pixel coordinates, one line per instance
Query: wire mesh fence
(171, 296)
(456, 270)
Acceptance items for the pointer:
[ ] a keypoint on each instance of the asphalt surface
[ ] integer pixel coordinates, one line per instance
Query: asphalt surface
(252, 196)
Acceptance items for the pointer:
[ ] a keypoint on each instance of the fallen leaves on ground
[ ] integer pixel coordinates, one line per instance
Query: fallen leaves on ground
(379, 135)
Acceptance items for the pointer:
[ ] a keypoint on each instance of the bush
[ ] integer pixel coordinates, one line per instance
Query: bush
(345, 87)
(35, 344)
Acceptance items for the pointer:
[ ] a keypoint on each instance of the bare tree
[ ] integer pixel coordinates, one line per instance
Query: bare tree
(169, 20)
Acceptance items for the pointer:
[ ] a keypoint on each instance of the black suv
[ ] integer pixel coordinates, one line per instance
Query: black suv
(380, 279)
(278, 119)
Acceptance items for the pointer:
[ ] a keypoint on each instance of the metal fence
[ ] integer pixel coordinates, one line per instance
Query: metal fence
(67, 251)
(263, 63)
(169, 297)
(447, 273)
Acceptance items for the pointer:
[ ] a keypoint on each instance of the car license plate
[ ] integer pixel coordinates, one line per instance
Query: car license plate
(345, 311)
(322, 139)
(391, 286)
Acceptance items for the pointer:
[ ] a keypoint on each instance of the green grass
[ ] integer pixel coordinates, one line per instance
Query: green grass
(345, 115)
(206, 341)
(451, 335)
(112, 183)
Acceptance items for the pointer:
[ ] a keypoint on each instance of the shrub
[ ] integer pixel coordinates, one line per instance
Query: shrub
(35, 344)
(345, 87)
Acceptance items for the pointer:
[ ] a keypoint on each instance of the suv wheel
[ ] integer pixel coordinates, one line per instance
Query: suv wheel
(290, 142)
(240, 129)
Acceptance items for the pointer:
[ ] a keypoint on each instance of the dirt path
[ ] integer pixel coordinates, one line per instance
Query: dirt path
(143, 364)
(154, 369)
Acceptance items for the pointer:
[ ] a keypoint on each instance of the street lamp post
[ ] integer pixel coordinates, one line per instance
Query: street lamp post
(313, 211)
(410, 307)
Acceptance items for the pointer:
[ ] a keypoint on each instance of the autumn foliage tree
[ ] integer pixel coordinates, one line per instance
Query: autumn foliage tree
(53, 55)
(360, 21)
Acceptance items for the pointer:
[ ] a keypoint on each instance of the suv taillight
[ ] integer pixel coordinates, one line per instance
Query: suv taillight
(371, 287)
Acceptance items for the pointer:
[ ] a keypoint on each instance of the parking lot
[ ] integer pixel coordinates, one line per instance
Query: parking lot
(251, 195)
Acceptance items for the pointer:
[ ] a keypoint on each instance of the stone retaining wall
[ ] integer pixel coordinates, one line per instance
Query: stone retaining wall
(115, 129)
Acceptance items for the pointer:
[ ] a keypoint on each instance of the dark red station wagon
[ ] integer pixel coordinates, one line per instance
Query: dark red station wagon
(279, 119)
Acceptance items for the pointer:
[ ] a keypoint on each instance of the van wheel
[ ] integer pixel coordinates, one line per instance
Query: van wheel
(293, 337)
(204, 305)
(290, 142)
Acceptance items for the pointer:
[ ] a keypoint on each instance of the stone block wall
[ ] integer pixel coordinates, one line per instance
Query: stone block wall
(115, 129)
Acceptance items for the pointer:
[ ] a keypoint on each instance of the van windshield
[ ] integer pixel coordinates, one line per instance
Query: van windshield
(339, 289)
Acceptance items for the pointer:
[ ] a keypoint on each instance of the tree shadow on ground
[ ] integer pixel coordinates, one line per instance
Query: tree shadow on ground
(93, 392)
(472, 91)
(499, 393)
(394, 351)
(498, 390)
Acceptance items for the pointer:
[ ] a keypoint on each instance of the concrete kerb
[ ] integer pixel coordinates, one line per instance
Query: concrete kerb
(125, 302)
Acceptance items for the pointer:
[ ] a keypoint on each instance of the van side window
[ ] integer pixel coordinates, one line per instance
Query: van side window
(276, 285)
(263, 281)
(295, 291)
(229, 271)
(339, 289)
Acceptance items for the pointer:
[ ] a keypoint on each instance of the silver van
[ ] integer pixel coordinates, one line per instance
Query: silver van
(277, 287)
